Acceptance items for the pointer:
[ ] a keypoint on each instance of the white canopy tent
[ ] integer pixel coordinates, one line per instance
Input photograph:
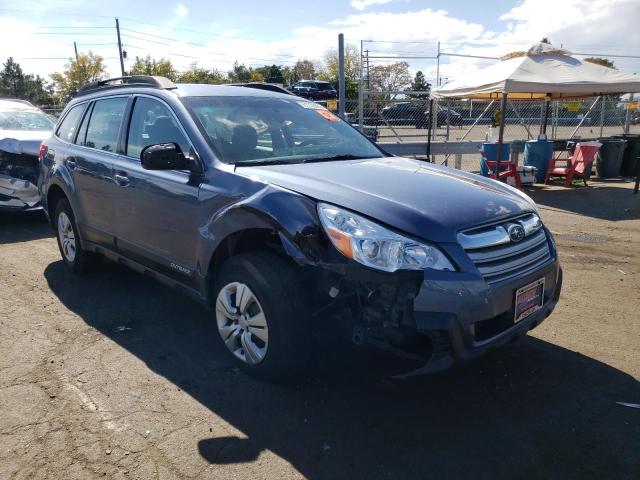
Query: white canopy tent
(543, 72)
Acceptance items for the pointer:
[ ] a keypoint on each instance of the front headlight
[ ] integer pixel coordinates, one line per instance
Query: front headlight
(375, 246)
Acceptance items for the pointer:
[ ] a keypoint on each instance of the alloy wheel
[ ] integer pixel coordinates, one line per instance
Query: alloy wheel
(67, 237)
(242, 323)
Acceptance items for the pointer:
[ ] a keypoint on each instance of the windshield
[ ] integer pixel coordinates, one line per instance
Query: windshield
(24, 120)
(262, 130)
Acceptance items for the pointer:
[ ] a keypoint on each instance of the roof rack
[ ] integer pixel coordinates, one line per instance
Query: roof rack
(130, 81)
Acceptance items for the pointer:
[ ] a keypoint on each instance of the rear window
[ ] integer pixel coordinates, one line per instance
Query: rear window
(104, 124)
(68, 127)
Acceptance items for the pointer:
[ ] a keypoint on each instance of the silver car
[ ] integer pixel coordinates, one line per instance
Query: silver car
(23, 128)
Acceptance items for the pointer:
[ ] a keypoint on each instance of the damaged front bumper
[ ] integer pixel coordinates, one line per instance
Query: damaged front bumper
(18, 181)
(441, 318)
(17, 194)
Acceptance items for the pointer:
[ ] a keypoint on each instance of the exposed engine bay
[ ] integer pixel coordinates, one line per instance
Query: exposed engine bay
(18, 181)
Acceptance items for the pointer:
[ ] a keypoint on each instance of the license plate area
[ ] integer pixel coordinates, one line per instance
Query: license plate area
(529, 299)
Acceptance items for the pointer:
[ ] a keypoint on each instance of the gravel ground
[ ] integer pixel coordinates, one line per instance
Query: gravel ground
(81, 399)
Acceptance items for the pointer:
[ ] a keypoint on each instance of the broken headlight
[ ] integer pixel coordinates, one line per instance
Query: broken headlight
(375, 246)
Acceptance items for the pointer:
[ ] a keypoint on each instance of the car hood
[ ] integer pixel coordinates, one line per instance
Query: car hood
(422, 199)
(23, 141)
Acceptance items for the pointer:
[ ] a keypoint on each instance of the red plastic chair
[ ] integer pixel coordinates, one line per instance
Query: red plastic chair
(578, 165)
(510, 171)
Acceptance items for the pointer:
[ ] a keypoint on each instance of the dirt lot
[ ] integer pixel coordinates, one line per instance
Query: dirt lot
(78, 399)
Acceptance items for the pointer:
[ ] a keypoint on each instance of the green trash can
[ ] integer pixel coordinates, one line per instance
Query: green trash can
(609, 158)
(630, 160)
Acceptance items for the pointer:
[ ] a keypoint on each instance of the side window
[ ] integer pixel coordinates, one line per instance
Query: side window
(151, 123)
(104, 124)
(67, 129)
(82, 131)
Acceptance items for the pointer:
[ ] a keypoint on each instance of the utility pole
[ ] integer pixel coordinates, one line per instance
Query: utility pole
(361, 90)
(341, 79)
(120, 47)
(75, 47)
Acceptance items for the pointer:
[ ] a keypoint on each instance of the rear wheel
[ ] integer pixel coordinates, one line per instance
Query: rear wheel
(73, 255)
(261, 314)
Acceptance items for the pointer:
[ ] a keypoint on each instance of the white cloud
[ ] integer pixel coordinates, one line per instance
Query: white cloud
(597, 26)
(181, 11)
(362, 4)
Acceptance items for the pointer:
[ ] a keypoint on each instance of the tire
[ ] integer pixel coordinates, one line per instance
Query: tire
(74, 256)
(278, 294)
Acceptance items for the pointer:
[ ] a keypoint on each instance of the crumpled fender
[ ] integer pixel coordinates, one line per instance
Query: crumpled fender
(292, 216)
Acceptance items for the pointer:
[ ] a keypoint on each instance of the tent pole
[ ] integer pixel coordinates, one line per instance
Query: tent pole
(503, 109)
(545, 118)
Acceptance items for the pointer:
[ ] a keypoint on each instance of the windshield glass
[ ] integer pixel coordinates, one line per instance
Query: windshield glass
(24, 120)
(249, 130)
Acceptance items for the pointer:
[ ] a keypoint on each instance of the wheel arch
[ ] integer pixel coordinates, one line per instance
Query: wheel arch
(274, 221)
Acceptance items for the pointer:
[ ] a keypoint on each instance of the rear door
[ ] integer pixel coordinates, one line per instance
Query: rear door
(157, 211)
(96, 147)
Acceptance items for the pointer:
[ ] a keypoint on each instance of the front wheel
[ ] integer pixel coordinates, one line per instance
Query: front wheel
(260, 314)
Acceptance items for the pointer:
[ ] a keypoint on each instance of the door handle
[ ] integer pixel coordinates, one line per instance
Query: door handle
(121, 179)
(71, 163)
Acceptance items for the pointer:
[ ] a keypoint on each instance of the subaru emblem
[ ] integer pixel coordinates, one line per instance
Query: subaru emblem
(516, 232)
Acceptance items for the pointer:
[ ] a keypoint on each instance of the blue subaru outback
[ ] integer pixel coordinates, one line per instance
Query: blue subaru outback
(278, 215)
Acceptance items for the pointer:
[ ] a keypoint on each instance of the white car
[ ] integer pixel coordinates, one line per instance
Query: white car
(23, 128)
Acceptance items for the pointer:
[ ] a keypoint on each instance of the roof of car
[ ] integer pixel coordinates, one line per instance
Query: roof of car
(16, 104)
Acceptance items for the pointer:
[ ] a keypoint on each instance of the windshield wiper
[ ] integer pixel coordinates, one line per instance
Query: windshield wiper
(331, 158)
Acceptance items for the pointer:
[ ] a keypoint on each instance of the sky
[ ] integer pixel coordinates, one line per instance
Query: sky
(39, 34)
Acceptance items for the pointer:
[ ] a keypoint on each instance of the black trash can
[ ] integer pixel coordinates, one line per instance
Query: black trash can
(630, 159)
(609, 158)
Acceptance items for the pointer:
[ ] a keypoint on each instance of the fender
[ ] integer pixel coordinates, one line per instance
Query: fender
(293, 216)
(59, 176)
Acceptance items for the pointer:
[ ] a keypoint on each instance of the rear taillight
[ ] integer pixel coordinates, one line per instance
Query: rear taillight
(42, 152)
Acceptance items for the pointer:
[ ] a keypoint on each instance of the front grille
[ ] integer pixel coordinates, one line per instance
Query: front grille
(500, 258)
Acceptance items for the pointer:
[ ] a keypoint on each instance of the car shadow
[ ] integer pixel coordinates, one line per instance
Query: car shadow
(599, 200)
(531, 410)
(23, 227)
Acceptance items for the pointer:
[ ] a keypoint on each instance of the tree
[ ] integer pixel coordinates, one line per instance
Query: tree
(256, 76)
(87, 68)
(605, 62)
(329, 69)
(351, 64)
(303, 70)
(420, 84)
(240, 73)
(15, 83)
(390, 78)
(151, 66)
(202, 75)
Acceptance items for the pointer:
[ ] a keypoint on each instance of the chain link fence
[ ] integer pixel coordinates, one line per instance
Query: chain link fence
(406, 117)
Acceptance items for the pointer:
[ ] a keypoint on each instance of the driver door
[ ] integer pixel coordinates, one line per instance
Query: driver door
(157, 212)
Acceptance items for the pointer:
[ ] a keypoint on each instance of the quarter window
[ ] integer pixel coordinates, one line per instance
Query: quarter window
(68, 127)
(152, 123)
(104, 124)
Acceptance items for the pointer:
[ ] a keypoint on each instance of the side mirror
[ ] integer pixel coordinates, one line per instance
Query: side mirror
(163, 156)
